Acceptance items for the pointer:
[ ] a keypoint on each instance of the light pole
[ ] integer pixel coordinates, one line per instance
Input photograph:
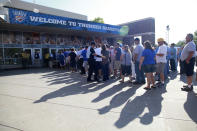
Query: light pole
(167, 33)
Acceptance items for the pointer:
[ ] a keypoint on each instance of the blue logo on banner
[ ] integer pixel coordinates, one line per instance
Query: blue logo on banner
(17, 16)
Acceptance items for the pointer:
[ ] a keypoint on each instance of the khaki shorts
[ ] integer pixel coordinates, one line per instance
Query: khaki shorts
(160, 67)
(117, 65)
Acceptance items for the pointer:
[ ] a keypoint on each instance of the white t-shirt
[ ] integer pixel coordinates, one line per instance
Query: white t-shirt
(162, 50)
(112, 55)
(98, 52)
(88, 52)
(79, 53)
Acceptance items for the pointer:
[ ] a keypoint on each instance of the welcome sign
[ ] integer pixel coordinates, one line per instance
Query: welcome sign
(17, 16)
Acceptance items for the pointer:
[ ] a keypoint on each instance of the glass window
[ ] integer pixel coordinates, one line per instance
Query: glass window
(13, 55)
(12, 37)
(15, 37)
(52, 38)
(36, 38)
(45, 38)
(60, 39)
(27, 38)
(6, 37)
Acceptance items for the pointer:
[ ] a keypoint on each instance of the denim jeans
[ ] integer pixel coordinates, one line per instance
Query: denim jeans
(139, 73)
(105, 70)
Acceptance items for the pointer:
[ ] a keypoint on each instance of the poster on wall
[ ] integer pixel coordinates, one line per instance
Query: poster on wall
(27, 38)
(60, 39)
(36, 38)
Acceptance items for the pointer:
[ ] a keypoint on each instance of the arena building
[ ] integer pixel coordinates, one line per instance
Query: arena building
(39, 29)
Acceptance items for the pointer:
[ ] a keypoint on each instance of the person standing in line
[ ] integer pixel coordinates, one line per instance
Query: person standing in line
(140, 78)
(147, 63)
(105, 63)
(161, 60)
(126, 58)
(180, 62)
(132, 64)
(85, 60)
(111, 59)
(72, 57)
(173, 57)
(80, 61)
(117, 54)
(167, 66)
(98, 63)
(91, 61)
(62, 60)
(188, 58)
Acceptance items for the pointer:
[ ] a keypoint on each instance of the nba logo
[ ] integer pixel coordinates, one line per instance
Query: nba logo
(19, 15)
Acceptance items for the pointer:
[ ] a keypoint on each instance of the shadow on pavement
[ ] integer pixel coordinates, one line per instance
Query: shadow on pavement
(77, 84)
(190, 106)
(118, 99)
(134, 108)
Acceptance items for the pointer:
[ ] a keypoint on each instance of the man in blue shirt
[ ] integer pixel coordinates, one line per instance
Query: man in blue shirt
(173, 57)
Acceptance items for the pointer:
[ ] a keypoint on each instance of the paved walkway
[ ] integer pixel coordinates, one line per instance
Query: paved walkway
(54, 100)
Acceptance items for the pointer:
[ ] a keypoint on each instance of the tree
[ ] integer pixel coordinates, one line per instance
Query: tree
(180, 43)
(98, 20)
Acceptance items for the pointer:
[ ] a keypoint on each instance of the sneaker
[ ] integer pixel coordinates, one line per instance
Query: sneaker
(136, 83)
(89, 80)
(121, 81)
(153, 86)
(146, 88)
(161, 85)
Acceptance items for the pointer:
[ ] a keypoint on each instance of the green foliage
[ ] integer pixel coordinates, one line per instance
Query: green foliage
(98, 20)
(180, 43)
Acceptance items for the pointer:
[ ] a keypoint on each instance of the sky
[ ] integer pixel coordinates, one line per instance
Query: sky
(180, 15)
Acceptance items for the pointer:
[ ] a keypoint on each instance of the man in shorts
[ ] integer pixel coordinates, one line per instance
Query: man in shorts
(161, 60)
(188, 58)
(117, 63)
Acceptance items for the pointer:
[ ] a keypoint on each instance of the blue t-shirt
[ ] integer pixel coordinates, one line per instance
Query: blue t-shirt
(149, 56)
(83, 53)
(66, 53)
(118, 54)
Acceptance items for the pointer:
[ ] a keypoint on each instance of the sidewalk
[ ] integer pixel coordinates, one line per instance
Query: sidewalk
(55, 100)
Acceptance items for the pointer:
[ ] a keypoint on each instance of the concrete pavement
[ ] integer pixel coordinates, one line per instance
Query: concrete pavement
(55, 100)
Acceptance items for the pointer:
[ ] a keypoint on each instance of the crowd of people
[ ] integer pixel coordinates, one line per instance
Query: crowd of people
(101, 62)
